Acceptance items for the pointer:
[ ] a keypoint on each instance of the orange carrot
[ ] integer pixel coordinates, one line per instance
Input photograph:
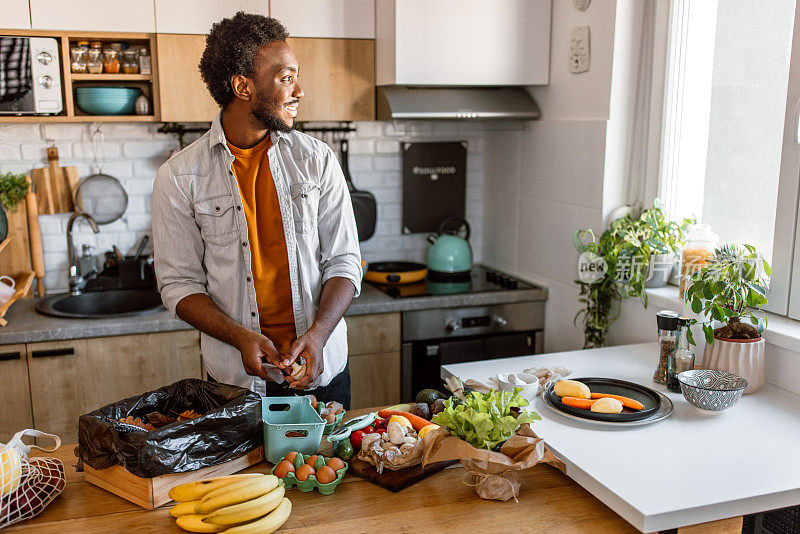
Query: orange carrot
(575, 402)
(417, 423)
(626, 401)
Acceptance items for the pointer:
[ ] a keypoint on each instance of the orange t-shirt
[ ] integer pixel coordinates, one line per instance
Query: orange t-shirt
(269, 257)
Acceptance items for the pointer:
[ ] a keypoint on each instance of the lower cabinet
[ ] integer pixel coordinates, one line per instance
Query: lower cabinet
(70, 378)
(374, 354)
(15, 394)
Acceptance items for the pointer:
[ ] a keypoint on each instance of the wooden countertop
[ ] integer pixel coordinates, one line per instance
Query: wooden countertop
(548, 500)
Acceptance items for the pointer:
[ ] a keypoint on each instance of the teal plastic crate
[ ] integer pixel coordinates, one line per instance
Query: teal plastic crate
(282, 415)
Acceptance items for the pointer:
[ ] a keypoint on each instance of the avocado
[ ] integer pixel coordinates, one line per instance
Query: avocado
(429, 396)
(420, 409)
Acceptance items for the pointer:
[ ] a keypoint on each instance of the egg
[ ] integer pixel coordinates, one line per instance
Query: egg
(290, 457)
(325, 475)
(311, 460)
(335, 464)
(304, 471)
(283, 468)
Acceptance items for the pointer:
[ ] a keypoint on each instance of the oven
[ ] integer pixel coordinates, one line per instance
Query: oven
(432, 338)
(30, 76)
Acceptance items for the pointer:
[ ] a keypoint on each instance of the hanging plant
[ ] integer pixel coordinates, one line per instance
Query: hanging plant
(13, 188)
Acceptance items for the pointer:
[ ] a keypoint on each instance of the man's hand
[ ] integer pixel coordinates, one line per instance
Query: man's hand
(257, 348)
(309, 346)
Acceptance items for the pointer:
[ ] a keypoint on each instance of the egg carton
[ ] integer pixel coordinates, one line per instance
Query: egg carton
(290, 480)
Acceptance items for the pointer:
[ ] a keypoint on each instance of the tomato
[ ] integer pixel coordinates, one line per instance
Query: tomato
(356, 438)
(368, 430)
(379, 423)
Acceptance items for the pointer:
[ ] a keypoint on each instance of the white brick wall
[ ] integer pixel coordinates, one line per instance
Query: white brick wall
(133, 153)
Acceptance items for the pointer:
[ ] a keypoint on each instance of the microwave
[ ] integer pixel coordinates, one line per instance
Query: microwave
(30, 76)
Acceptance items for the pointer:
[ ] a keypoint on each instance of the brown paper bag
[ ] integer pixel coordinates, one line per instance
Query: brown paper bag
(492, 474)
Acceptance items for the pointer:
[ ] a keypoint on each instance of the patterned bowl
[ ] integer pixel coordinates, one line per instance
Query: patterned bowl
(711, 392)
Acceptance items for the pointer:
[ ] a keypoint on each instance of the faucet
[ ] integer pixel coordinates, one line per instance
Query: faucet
(78, 282)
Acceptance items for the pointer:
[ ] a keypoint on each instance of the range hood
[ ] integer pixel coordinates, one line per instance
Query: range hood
(477, 103)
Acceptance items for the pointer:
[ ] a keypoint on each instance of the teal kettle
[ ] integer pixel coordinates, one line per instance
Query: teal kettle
(450, 255)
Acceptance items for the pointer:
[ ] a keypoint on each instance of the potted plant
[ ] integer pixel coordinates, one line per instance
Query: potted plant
(731, 290)
(631, 251)
(13, 188)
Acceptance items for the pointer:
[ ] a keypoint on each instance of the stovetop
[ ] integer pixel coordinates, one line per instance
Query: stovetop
(482, 280)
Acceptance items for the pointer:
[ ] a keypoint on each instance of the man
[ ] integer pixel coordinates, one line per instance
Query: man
(255, 240)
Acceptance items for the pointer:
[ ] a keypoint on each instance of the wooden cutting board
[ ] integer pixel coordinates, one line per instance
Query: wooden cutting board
(55, 185)
(395, 480)
(15, 258)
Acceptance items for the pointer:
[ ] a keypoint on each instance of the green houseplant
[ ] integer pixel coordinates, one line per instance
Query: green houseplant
(628, 249)
(732, 290)
(13, 188)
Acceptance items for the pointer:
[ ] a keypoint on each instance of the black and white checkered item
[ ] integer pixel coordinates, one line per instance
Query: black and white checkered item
(15, 67)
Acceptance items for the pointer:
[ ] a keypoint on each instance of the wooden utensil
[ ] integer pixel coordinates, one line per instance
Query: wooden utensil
(395, 480)
(35, 237)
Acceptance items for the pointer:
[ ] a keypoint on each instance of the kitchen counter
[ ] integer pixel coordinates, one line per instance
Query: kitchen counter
(548, 501)
(25, 325)
(686, 469)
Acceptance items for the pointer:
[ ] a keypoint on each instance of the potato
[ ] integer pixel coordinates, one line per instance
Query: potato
(607, 405)
(572, 388)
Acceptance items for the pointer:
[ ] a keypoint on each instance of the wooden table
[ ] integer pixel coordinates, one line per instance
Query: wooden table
(548, 501)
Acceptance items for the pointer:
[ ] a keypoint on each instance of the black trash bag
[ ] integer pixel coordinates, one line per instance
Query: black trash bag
(230, 427)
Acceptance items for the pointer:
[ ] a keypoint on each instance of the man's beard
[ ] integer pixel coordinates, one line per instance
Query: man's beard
(264, 112)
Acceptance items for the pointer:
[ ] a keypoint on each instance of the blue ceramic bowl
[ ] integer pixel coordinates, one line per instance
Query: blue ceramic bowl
(107, 100)
(711, 392)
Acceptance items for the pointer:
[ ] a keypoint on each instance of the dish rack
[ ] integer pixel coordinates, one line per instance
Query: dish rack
(15, 256)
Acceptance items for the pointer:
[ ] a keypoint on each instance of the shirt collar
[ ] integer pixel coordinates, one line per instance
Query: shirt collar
(217, 135)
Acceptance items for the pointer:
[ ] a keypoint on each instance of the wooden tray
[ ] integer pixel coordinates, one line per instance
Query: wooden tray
(394, 480)
(153, 492)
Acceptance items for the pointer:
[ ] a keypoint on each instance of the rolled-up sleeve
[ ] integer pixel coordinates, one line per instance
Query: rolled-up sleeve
(178, 247)
(338, 234)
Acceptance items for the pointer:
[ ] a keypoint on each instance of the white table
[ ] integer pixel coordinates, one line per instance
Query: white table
(683, 470)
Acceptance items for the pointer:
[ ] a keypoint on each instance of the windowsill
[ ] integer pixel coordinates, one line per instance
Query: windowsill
(781, 331)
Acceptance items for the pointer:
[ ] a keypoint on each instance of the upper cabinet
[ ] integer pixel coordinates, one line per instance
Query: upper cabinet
(93, 15)
(184, 96)
(16, 15)
(347, 19)
(462, 42)
(197, 16)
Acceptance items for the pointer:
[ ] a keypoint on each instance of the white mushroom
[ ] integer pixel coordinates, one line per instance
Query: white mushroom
(369, 440)
(410, 440)
(396, 434)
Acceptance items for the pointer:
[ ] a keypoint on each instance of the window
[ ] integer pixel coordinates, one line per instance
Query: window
(723, 156)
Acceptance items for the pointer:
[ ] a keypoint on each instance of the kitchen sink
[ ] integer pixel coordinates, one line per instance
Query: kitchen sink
(101, 304)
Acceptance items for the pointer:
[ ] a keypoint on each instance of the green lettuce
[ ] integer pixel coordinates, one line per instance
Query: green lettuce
(485, 419)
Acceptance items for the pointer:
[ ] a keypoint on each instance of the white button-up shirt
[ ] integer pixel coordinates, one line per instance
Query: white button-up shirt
(201, 240)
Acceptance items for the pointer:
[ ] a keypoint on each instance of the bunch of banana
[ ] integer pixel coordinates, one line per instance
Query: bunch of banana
(236, 504)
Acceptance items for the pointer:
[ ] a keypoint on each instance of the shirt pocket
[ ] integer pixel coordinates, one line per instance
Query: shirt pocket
(217, 220)
(305, 204)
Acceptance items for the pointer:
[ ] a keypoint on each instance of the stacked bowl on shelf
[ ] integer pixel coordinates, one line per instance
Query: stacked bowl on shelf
(111, 100)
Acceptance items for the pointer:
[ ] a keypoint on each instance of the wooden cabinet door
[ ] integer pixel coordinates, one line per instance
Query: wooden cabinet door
(338, 19)
(94, 15)
(182, 93)
(15, 395)
(337, 77)
(374, 355)
(197, 16)
(16, 16)
(70, 378)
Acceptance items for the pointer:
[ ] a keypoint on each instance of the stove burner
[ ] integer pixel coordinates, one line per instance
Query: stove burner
(480, 280)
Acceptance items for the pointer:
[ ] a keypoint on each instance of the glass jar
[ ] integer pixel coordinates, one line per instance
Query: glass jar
(129, 62)
(110, 61)
(144, 62)
(700, 245)
(94, 61)
(681, 359)
(667, 339)
(78, 59)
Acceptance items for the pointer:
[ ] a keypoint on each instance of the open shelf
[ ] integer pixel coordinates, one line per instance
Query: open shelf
(111, 77)
(78, 118)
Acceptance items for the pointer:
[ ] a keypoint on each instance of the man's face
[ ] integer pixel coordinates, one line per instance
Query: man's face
(277, 92)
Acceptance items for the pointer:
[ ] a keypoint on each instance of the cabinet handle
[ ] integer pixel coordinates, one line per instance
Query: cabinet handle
(52, 352)
(10, 356)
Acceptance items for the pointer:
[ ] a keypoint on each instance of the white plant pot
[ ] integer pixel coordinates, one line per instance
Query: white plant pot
(741, 357)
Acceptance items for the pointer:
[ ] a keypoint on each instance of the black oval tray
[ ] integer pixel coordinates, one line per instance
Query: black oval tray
(648, 397)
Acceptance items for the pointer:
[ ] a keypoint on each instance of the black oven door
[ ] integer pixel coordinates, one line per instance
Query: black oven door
(422, 360)
(16, 89)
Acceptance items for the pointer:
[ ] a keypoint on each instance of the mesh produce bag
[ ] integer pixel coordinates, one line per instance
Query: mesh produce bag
(27, 486)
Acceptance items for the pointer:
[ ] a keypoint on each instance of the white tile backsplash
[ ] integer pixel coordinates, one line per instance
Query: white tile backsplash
(134, 152)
